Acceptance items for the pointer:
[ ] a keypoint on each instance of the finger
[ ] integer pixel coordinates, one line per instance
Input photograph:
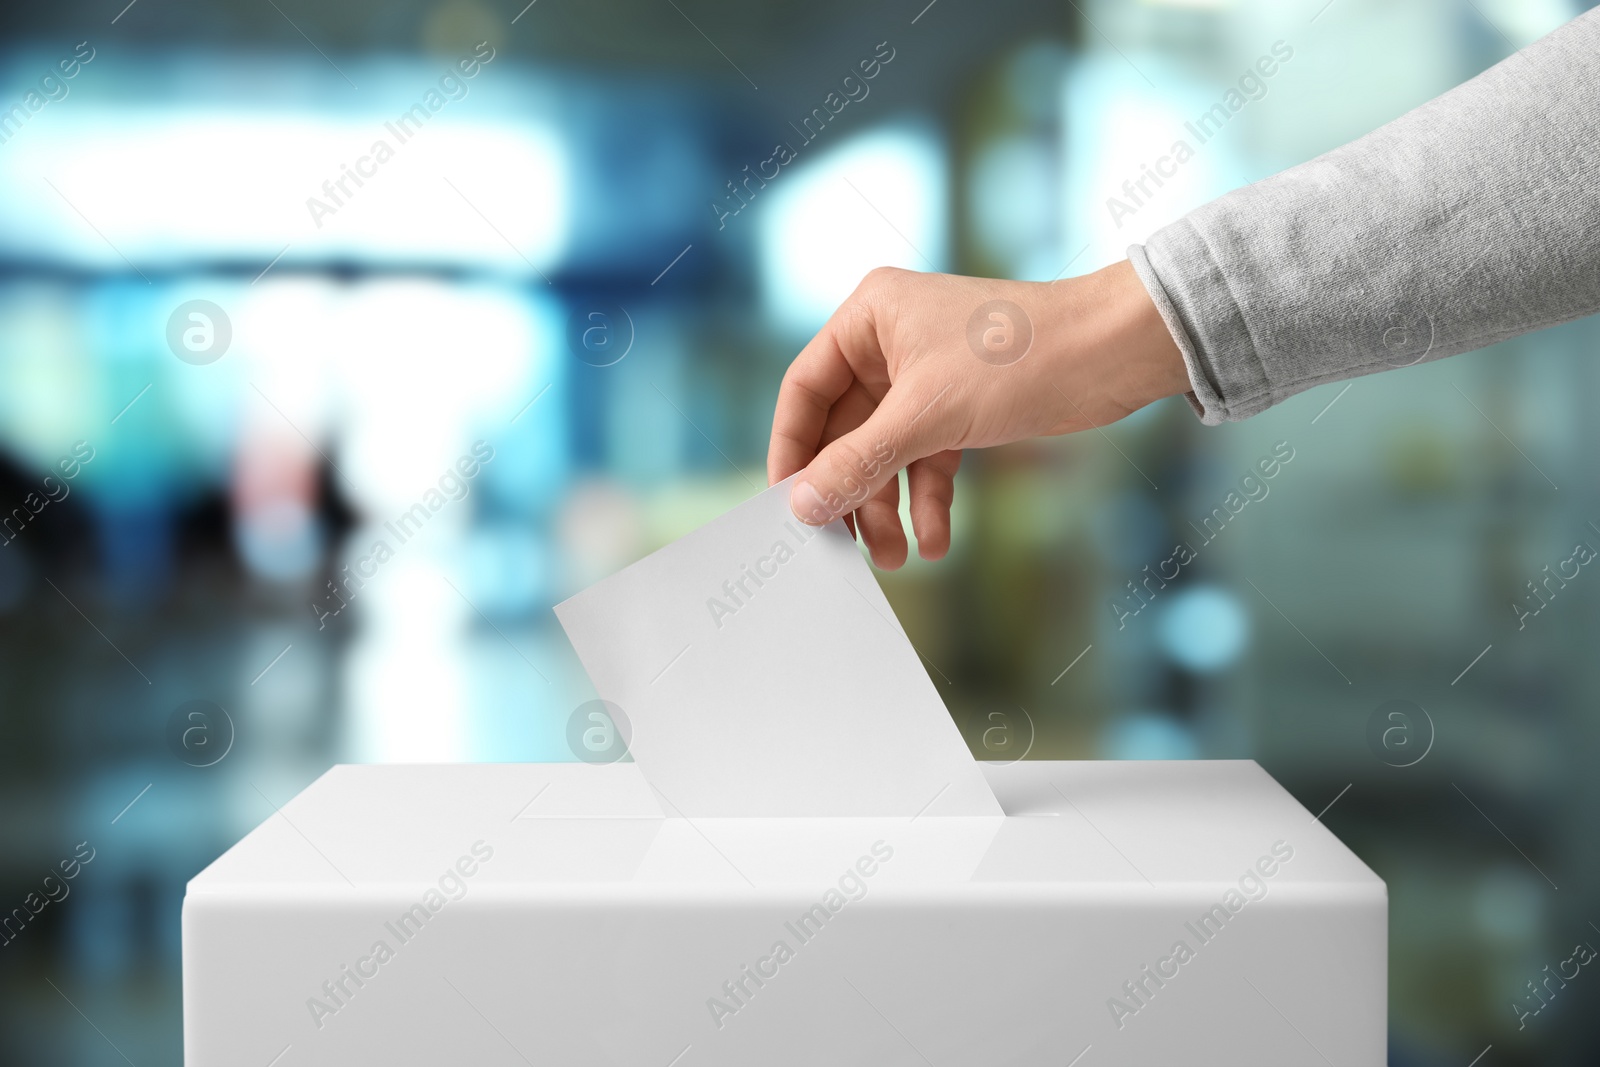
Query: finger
(879, 521)
(818, 377)
(851, 470)
(848, 412)
(931, 482)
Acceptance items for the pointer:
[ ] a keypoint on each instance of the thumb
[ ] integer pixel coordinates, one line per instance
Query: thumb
(851, 470)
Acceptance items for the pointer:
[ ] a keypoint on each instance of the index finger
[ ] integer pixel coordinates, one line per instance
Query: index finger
(814, 382)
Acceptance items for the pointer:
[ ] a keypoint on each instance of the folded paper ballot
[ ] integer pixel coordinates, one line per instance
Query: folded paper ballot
(763, 673)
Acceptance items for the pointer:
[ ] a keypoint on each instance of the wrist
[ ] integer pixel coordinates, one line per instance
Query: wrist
(1153, 363)
(1118, 336)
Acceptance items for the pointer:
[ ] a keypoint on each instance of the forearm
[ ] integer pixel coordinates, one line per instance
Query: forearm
(1472, 219)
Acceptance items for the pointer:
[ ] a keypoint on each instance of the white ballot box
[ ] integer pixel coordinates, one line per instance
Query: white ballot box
(1129, 913)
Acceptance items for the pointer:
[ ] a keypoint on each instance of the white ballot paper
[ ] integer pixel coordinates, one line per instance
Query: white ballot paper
(763, 673)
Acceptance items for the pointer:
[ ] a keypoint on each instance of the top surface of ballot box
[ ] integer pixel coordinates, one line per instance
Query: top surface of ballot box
(1150, 913)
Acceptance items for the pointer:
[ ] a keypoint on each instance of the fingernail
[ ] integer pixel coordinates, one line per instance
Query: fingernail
(807, 505)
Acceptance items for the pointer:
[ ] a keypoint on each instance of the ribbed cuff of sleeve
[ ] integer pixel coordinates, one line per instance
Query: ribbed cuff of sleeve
(1228, 379)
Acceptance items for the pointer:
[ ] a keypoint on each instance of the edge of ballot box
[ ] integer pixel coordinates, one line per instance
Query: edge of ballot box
(1113, 861)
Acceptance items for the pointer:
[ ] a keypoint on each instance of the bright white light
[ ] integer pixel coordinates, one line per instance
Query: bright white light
(405, 687)
(876, 200)
(423, 365)
(1126, 175)
(1525, 21)
(165, 187)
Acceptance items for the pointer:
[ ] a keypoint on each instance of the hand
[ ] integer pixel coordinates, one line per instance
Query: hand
(913, 368)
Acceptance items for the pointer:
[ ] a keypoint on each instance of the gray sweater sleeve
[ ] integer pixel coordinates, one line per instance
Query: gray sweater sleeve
(1472, 219)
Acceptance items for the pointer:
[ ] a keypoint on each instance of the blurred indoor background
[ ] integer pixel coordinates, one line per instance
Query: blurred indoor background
(240, 344)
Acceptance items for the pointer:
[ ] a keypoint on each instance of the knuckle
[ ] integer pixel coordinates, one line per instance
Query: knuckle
(857, 315)
(882, 280)
(860, 465)
(853, 470)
